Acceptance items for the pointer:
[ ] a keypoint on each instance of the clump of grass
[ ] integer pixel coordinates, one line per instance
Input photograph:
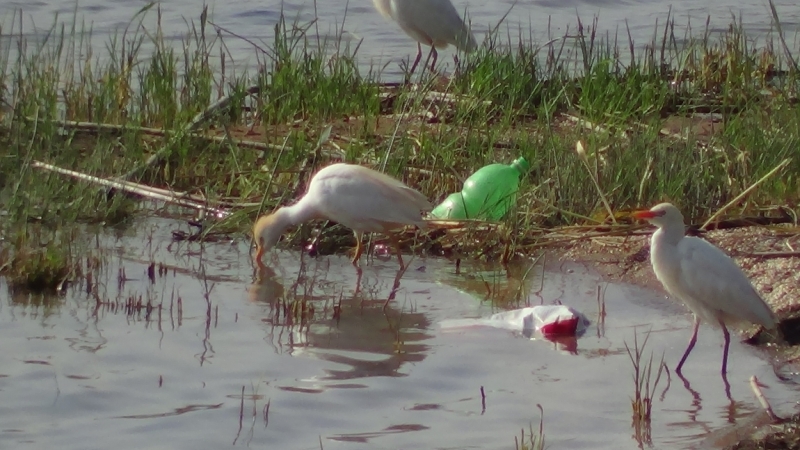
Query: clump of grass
(645, 382)
(313, 105)
(37, 266)
(534, 439)
(785, 436)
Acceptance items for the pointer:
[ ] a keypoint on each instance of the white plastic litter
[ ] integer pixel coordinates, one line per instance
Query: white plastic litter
(544, 320)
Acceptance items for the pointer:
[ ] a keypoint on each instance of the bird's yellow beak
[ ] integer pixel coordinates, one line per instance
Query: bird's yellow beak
(646, 214)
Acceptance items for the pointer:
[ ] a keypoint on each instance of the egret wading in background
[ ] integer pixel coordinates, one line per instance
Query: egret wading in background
(431, 22)
(357, 197)
(702, 277)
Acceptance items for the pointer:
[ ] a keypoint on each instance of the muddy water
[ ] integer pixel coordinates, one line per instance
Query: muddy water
(222, 365)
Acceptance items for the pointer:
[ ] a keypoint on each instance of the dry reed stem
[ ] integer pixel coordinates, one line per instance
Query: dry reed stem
(747, 191)
(178, 198)
(188, 129)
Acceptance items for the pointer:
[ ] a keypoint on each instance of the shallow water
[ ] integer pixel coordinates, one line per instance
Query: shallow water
(77, 375)
(384, 43)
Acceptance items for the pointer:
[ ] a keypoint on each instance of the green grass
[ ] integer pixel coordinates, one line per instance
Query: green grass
(37, 265)
(316, 106)
(645, 383)
(534, 440)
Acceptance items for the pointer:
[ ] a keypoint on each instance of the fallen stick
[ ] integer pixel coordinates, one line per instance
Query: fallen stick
(436, 96)
(188, 129)
(754, 385)
(748, 222)
(239, 143)
(589, 125)
(96, 126)
(216, 106)
(747, 191)
(177, 198)
(769, 254)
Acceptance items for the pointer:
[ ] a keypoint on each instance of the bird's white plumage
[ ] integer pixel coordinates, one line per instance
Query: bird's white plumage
(699, 274)
(703, 277)
(364, 200)
(431, 22)
(357, 197)
(708, 281)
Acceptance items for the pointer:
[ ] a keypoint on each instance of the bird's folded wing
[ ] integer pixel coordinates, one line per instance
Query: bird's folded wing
(714, 281)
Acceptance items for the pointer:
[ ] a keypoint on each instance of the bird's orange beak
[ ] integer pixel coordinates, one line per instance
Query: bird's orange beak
(259, 254)
(646, 214)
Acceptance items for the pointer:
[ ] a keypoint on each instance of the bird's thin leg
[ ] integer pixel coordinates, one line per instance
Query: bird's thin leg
(692, 341)
(727, 345)
(359, 248)
(416, 60)
(396, 244)
(395, 286)
(360, 272)
(727, 387)
(435, 56)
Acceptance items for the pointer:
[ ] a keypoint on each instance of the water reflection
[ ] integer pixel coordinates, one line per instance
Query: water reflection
(329, 363)
(349, 331)
(266, 288)
(515, 286)
(34, 305)
(363, 438)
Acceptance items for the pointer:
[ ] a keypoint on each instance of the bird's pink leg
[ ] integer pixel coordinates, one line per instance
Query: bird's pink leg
(692, 341)
(727, 345)
(435, 56)
(416, 60)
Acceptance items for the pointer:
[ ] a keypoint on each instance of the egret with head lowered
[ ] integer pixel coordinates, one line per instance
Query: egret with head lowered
(431, 22)
(701, 276)
(359, 198)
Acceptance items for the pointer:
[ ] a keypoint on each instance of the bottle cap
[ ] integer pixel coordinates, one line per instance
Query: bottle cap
(521, 164)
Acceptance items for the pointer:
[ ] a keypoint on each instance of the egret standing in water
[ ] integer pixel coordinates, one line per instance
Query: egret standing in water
(703, 277)
(431, 22)
(357, 197)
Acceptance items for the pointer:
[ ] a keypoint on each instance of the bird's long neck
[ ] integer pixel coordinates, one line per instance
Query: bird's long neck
(664, 249)
(294, 215)
(664, 254)
(669, 235)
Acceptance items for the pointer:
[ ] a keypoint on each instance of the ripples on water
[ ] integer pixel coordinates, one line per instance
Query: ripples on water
(75, 374)
(76, 377)
(384, 42)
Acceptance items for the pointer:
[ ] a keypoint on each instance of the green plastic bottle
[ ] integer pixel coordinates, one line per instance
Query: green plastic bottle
(487, 193)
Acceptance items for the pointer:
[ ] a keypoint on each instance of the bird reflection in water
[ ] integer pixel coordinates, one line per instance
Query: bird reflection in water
(382, 252)
(354, 333)
(266, 288)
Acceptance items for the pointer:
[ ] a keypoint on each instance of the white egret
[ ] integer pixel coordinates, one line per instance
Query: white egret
(431, 22)
(704, 278)
(357, 197)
